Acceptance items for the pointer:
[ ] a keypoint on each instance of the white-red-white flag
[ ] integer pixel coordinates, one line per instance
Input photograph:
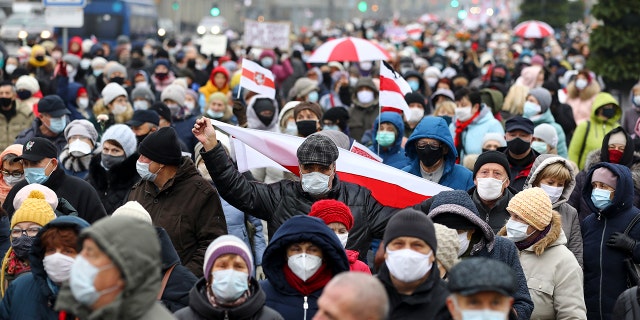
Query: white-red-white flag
(393, 87)
(359, 148)
(257, 79)
(389, 186)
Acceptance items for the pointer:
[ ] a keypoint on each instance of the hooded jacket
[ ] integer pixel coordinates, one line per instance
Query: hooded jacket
(605, 276)
(31, 296)
(454, 176)
(134, 249)
(281, 296)
(592, 139)
(473, 135)
(553, 276)
(114, 185)
(252, 117)
(362, 116)
(11, 128)
(201, 309)
(547, 117)
(188, 208)
(568, 214)
(393, 155)
(210, 88)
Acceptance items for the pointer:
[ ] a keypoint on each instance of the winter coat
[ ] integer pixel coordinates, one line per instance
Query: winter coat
(210, 88)
(362, 116)
(563, 114)
(597, 130)
(628, 306)
(80, 194)
(630, 118)
(114, 185)
(605, 276)
(201, 309)
(428, 301)
(34, 131)
(143, 277)
(520, 169)
(189, 209)
(277, 202)
(497, 216)
(569, 215)
(454, 176)
(548, 118)
(12, 128)
(473, 135)
(553, 276)
(236, 225)
(281, 296)
(355, 264)
(31, 296)
(484, 243)
(583, 101)
(176, 293)
(393, 155)
(68, 91)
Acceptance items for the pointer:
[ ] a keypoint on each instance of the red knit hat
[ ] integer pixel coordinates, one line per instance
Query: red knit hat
(332, 211)
(81, 90)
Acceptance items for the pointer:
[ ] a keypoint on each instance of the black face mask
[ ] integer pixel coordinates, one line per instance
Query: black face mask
(307, 127)
(118, 80)
(261, 105)
(21, 246)
(608, 112)
(429, 157)
(448, 119)
(161, 75)
(140, 138)
(40, 58)
(108, 161)
(518, 146)
(24, 94)
(5, 102)
(137, 63)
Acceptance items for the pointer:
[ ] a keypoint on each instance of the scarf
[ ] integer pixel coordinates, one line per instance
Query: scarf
(16, 266)
(460, 127)
(220, 304)
(317, 281)
(528, 243)
(76, 164)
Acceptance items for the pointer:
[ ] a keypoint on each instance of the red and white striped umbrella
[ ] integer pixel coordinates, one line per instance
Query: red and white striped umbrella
(348, 49)
(533, 29)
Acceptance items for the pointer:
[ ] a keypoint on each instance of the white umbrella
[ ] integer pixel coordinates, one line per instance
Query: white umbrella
(533, 29)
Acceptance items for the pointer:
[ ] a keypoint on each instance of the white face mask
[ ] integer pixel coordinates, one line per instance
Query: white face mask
(554, 193)
(315, 183)
(517, 231)
(343, 239)
(408, 265)
(141, 105)
(489, 189)
(415, 115)
(83, 103)
(365, 96)
(85, 64)
(581, 84)
(10, 68)
(432, 82)
(463, 238)
(463, 113)
(142, 84)
(79, 148)
(636, 100)
(190, 105)
(58, 267)
(11, 180)
(304, 265)
(482, 314)
(119, 109)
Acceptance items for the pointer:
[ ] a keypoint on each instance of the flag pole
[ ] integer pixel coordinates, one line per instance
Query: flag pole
(379, 111)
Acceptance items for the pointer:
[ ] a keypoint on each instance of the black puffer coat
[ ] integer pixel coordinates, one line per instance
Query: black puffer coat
(114, 185)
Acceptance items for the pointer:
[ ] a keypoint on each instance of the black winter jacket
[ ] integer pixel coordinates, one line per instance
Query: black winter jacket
(114, 185)
(181, 280)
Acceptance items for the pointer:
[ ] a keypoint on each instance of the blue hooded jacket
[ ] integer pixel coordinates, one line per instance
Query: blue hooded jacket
(32, 296)
(605, 276)
(281, 296)
(394, 155)
(454, 176)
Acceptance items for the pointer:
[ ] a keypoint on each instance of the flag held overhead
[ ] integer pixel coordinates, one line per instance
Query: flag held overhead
(257, 79)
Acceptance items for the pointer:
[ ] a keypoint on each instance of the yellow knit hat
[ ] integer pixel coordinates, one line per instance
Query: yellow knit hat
(533, 206)
(34, 209)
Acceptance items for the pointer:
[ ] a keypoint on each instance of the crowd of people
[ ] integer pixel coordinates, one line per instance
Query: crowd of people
(121, 199)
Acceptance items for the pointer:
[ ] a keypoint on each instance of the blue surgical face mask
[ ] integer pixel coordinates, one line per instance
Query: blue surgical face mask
(312, 96)
(215, 114)
(539, 146)
(57, 125)
(385, 138)
(97, 73)
(315, 183)
(83, 274)
(291, 129)
(530, 109)
(601, 198)
(332, 127)
(229, 284)
(143, 171)
(483, 314)
(415, 85)
(36, 175)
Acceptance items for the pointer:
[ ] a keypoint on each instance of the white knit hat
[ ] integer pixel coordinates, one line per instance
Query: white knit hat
(123, 135)
(98, 62)
(174, 92)
(546, 133)
(135, 210)
(111, 91)
(28, 83)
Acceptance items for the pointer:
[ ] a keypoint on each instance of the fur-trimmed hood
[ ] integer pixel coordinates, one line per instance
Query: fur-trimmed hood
(555, 237)
(545, 160)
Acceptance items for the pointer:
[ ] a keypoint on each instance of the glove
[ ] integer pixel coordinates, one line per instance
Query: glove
(621, 241)
(240, 111)
(260, 273)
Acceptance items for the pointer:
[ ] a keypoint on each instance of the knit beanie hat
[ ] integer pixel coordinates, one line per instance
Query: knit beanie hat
(111, 91)
(82, 128)
(113, 68)
(533, 206)
(618, 138)
(98, 62)
(219, 96)
(33, 209)
(313, 107)
(448, 245)
(605, 176)
(28, 83)
(226, 244)
(492, 157)
(162, 147)
(543, 96)
(415, 97)
(143, 93)
(411, 223)
(174, 92)
(546, 133)
(49, 195)
(494, 136)
(133, 209)
(71, 59)
(330, 211)
(302, 87)
(123, 135)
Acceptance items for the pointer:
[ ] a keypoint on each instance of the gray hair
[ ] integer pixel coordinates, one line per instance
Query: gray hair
(369, 297)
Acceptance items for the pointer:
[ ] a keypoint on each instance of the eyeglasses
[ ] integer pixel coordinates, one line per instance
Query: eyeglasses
(31, 232)
(15, 174)
(434, 146)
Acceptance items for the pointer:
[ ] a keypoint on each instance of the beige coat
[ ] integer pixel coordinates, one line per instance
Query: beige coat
(10, 129)
(554, 277)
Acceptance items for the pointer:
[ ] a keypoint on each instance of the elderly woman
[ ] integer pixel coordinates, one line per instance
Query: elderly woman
(219, 108)
(114, 104)
(81, 146)
(553, 274)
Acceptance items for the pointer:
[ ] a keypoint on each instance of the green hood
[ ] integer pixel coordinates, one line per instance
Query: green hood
(134, 248)
(602, 99)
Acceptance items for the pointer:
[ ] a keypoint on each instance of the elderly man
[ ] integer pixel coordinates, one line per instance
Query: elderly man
(279, 201)
(351, 296)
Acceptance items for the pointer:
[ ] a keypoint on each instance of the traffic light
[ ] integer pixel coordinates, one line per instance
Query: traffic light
(362, 6)
(175, 6)
(455, 3)
(215, 11)
(462, 14)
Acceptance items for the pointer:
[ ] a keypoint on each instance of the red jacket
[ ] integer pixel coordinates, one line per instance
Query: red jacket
(355, 264)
